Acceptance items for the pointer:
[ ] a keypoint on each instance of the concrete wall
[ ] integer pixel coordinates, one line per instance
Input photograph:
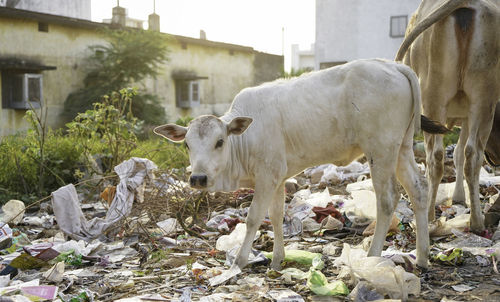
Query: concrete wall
(63, 47)
(228, 72)
(302, 59)
(355, 29)
(79, 9)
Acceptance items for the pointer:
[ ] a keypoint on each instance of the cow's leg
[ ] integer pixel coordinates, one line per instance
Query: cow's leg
(435, 168)
(264, 188)
(384, 183)
(480, 121)
(416, 187)
(458, 159)
(276, 212)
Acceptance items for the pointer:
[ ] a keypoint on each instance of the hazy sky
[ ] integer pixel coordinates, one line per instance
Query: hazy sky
(254, 23)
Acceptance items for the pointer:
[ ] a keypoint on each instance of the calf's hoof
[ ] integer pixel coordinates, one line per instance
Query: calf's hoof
(240, 262)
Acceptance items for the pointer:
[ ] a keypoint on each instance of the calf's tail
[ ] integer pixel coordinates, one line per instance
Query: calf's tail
(423, 123)
(431, 126)
(415, 92)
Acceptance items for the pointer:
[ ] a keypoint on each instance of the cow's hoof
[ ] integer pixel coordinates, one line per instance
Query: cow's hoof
(459, 202)
(276, 266)
(431, 216)
(477, 228)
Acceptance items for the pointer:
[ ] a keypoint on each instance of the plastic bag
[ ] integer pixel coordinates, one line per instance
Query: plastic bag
(380, 272)
(319, 285)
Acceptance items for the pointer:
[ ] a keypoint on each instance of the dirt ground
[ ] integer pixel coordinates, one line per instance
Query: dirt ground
(179, 266)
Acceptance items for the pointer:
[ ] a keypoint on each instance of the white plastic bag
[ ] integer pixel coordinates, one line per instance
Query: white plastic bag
(380, 272)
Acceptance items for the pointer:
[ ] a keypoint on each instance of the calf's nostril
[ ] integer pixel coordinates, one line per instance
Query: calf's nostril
(203, 181)
(198, 181)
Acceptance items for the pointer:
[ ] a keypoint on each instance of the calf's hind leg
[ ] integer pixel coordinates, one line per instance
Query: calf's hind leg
(384, 183)
(416, 187)
(276, 213)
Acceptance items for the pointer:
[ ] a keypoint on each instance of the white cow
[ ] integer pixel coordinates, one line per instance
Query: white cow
(454, 47)
(276, 130)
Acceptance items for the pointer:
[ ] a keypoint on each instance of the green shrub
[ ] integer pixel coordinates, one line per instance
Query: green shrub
(165, 154)
(25, 175)
(108, 131)
(448, 139)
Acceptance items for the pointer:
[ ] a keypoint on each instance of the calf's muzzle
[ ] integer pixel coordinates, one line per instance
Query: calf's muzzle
(198, 181)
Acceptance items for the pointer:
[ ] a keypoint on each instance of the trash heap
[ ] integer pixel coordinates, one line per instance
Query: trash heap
(152, 238)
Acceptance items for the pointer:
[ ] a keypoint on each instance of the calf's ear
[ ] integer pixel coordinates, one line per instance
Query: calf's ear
(238, 125)
(172, 132)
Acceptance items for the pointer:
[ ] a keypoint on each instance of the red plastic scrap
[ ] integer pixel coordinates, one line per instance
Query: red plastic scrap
(231, 222)
(329, 210)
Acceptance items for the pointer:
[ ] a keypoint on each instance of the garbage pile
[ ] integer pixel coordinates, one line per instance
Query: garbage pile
(151, 238)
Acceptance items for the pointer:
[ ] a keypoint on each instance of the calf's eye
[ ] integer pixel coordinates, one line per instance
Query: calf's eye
(219, 143)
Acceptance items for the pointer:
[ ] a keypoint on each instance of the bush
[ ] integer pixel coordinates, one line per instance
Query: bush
(165, 154)
(27, 174)
(34, 164)
(109, 130)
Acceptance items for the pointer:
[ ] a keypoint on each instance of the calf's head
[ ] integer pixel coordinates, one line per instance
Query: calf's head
(206, 138)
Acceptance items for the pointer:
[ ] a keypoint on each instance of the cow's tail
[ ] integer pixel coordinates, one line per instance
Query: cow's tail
(440, 13)
(422, 123)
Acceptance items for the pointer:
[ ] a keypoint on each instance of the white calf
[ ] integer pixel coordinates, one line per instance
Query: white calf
(336, 115)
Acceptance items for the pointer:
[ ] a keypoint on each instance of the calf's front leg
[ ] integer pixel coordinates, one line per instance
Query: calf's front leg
(260, 203)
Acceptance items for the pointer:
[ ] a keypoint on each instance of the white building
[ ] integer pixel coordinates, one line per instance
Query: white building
(354, 29)
(79, 9)
(302, 59)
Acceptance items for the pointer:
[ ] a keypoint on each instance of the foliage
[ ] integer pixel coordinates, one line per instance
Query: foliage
(130, 57)
(184, 121)
(295, 73)
(448, 139)
(163, 153)
(28, 174)
(451, 137)
(112, 125)
(34, 164)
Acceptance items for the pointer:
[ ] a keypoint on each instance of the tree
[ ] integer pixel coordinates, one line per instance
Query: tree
(130, 56)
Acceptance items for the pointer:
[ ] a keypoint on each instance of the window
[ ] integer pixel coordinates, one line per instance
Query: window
(398, 26)
(187, 93)
(43, 27)
(21, 90)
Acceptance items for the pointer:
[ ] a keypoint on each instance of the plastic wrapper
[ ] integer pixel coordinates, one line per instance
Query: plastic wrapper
(319, 285)
(380, 272)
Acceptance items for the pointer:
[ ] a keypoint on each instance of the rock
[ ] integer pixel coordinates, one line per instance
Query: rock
(291, 186)
(13, 210)
(316, 177)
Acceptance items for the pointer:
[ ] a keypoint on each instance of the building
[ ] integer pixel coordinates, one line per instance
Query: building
(79, 9)
(42, 60)
(302, 60)
(356, 29)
